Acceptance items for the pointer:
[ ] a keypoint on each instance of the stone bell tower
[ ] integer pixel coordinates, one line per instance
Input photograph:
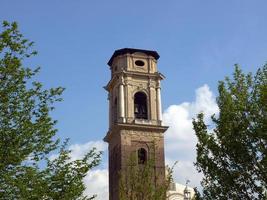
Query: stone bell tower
(135, 115)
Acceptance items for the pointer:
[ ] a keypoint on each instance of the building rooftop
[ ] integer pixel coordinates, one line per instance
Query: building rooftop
(131, 51)
(176, 191)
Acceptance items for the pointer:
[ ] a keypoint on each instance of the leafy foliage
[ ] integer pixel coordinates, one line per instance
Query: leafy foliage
(27, 131)
(232, 156)
(139, 182)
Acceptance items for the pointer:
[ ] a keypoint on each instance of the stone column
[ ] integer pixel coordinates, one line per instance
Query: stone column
(159, 101)
(110, 109)
(121, 96)
(152, 104)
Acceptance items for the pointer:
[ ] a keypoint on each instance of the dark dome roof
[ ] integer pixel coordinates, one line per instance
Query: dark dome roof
(131, 51)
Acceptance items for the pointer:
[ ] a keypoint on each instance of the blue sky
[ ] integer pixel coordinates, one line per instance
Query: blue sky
(198, 41)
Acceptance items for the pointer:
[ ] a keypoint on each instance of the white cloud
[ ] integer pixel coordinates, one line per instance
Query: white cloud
(180, 139)
(97, 183)
(96, 180)
(79, 150)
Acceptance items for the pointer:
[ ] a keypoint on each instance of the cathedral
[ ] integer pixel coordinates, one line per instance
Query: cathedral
(135, 116)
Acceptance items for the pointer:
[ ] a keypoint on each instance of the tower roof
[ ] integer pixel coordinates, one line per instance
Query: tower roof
(131, 51)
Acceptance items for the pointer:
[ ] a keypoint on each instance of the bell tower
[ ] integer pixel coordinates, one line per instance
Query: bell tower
(135, 115)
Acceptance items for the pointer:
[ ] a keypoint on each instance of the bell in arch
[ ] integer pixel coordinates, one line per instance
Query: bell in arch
(140, 105)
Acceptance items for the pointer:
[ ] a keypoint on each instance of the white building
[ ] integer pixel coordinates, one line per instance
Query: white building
(180, 192)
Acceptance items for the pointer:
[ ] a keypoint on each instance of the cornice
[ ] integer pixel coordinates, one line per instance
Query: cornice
(135, 127)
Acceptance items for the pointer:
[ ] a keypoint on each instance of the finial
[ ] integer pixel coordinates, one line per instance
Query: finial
(187, 193)
(187, 181)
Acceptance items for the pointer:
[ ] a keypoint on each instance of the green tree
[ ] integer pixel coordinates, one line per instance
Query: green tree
(27, 131)
(231, 152)
(140, 182)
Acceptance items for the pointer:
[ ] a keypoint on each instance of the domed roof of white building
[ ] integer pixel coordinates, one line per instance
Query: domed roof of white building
(176, 191)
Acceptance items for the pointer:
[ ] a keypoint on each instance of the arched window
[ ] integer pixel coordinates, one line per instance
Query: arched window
(140, 105)
(142, 156)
